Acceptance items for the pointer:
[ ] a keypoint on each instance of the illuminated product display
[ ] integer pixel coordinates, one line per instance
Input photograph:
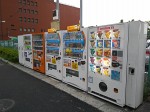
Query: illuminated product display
(38, 43)
(25, 50)
(54, 54)
(27, 38)
(116, 54)
(75, 58)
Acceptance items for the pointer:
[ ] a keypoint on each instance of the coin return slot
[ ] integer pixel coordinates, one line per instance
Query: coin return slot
(115, 90)
(131, 71)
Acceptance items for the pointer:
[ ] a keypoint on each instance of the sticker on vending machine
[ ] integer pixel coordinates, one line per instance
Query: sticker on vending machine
(107, 34)
(100, 43)
(99, 34)
(107, 52)
(99, 52)
(106, 71)
(106, 62)
(92, 60)
(115, 75)
(116, 33)
(92, 68)
(107, 43)
(98, 69)
(92, 35)
(92, 43)
(116, 44)
(92, 52)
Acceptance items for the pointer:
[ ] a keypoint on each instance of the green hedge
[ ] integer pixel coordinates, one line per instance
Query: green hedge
(9, 54)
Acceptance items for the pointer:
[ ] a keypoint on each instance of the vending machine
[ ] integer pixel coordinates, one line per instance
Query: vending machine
(27, 42)
(75, 57)
(116, 62)
(38, 45)
(54, 53)
(21, 49)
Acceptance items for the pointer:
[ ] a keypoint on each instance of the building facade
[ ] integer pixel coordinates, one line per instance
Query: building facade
(19, 17)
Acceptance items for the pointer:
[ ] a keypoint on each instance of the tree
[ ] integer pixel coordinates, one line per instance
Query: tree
(148, 33)
(148, 30)
(121, 21)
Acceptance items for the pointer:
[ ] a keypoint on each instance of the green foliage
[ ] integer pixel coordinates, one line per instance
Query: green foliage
(9, 54)
(146, 90)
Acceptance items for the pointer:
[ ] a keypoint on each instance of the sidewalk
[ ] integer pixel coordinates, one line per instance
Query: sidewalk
(99, 104)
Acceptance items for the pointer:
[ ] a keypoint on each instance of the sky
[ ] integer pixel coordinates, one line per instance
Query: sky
(104, 12)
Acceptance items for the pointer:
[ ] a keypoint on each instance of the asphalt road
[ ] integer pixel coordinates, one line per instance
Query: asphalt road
(33, 95)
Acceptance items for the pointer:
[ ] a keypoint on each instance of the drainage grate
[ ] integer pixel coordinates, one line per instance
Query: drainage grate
(6, 104)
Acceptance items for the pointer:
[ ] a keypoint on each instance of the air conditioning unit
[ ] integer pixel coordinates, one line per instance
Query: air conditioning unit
(55, 14)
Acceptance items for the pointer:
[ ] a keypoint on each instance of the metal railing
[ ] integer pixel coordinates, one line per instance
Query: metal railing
(10, 43)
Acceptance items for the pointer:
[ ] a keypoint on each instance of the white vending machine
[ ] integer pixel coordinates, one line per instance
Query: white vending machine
(21, 49)
(54, 53)
(75, 58)
(116, 57)
(27, 42)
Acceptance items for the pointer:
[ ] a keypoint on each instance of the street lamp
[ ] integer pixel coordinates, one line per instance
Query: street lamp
(3, 21)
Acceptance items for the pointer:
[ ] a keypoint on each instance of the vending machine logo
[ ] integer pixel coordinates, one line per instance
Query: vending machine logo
(105, 28)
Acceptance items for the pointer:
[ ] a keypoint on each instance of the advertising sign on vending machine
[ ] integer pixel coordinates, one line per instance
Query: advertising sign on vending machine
(21, 49)
(75, 58)
(38, 44)
(54, 53)
(27, 38)
(110, 49)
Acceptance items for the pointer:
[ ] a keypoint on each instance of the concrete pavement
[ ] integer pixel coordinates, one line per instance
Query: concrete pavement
(99, 104)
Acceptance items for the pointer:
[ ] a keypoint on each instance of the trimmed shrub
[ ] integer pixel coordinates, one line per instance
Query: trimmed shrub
(9, 54)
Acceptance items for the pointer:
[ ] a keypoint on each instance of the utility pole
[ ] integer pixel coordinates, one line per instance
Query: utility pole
(81, 24)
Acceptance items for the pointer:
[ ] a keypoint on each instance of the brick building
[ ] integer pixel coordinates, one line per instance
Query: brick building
(31, 16)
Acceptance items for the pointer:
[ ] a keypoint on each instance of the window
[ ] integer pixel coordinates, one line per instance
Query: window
(32, 20)
(20, 29)
(25, 19)
(33, 30)
(24, 2)
(28, 2)
(20, 1)
(36, 20)
(32, 3)
(29, 29)
(20, 10)
(24, 10)
(32, 11)
(36, 12)
(28, 19)
(35, 3)
(28, 11)
(12, 25)
(25, 29)
(20, 19)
